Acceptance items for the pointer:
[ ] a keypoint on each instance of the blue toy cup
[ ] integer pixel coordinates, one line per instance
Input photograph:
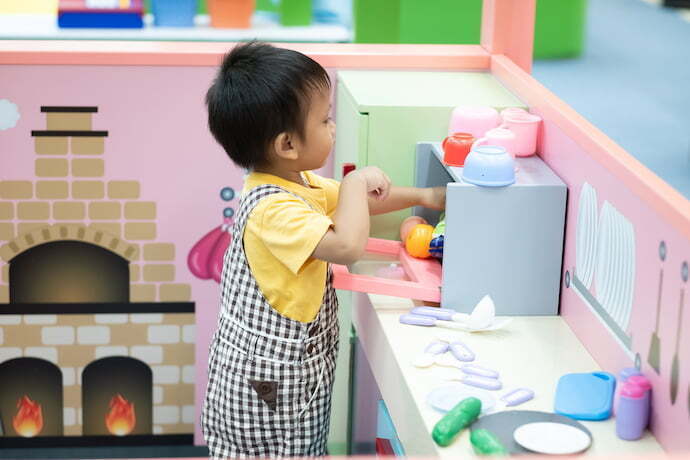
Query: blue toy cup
(174, 13)
(489, 166)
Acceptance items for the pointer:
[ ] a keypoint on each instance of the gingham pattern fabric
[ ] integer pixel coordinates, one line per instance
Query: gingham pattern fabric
(254, 343)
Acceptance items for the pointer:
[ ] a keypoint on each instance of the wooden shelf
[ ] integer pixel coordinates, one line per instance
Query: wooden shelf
(44, 27)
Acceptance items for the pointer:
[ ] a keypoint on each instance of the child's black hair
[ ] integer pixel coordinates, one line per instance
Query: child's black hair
(261, 91)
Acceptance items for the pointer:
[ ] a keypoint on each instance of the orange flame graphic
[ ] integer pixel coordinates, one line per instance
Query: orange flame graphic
(121, 419)
(28, 421)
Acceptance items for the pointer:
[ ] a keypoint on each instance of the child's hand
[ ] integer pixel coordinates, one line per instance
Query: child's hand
(378, 183)
(346, 240)
(434, 198)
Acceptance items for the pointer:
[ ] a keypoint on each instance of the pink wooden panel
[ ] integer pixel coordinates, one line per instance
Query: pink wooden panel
(508, 28)
(579, 153)
(157, 136)
(428, 57)
(666, 201)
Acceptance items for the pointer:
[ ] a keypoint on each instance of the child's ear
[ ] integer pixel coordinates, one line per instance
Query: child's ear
(284, 146)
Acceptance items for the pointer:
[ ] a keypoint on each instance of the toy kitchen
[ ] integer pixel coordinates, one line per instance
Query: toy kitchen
(542, 311)
(537, 275)
(492, 260)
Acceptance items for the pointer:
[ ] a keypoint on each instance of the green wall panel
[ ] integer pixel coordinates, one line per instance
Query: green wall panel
(381, 115)
(559, 24)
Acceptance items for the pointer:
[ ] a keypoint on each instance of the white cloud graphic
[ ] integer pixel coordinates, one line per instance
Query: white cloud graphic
(9, 114)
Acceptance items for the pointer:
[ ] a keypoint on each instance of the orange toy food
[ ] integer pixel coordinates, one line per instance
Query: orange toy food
(417, 242)
(407, 225)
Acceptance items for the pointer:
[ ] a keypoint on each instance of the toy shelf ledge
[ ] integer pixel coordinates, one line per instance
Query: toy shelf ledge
(148, 53)
(530, 169)
(44, 27)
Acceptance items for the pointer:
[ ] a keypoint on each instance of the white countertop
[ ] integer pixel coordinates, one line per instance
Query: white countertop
(531, 352)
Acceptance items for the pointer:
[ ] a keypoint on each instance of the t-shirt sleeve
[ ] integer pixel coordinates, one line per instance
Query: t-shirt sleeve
(332, 189)
(290, 229)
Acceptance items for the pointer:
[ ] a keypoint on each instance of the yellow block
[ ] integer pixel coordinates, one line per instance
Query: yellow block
(29, 6)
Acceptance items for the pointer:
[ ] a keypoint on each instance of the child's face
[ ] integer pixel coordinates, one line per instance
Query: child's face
(319, 132)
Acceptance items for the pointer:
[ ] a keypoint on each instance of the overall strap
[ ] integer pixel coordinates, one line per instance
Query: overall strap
(250, 200)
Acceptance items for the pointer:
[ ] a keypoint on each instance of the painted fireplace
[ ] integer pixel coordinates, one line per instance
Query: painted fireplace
(96, 333)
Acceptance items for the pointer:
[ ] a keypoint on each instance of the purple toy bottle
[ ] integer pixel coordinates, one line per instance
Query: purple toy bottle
(633, 408)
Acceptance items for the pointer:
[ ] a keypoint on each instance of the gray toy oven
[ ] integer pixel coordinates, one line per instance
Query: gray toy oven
(503, 241)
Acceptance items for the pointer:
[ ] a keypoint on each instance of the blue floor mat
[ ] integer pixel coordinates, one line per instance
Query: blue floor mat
(633, 83)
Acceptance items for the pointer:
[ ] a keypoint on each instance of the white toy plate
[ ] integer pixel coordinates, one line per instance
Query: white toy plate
(551, 438)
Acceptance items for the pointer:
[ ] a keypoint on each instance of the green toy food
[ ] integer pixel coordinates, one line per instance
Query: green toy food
(485, 442)
(440, 228)
(459, 417)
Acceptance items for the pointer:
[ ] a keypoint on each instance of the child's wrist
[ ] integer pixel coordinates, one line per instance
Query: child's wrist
(424, 197)
(354, 178)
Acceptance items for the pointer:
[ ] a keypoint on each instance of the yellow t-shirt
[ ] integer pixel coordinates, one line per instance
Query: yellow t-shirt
(281, 234)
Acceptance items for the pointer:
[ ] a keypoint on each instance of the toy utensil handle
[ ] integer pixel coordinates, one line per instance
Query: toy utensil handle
(461, 351)
(517, 396)
(434, 312)
(451, 325)
(417, 320)
(482, 382)
(475, 369)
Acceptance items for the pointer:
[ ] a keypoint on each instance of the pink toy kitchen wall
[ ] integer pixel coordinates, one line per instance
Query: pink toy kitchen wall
(625, 275)
(108, 158)
(105, 170)
(627, 248)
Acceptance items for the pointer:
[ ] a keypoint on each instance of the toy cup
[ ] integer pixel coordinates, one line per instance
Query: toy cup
(498, 136)
(175, 13)
(456, 147)
(489, 166)
(526, 128)
(475, 120)
(235, 14)
(509, 110)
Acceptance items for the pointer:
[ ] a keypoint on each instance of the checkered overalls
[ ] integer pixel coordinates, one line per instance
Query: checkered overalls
(270, 378)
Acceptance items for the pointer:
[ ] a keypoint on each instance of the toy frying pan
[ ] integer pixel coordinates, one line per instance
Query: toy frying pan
(503, 425)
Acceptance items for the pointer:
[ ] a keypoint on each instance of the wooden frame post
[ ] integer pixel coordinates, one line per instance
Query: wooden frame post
(508, 28)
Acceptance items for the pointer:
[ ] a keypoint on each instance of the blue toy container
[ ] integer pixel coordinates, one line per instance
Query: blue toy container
(174, 13)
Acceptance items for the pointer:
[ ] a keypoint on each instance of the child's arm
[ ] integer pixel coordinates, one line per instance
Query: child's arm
(344, 243)
(406, 197)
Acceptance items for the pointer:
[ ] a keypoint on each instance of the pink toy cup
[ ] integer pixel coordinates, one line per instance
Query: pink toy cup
(475, 120)
(526, 128)
(498, 136)
(509, 110)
